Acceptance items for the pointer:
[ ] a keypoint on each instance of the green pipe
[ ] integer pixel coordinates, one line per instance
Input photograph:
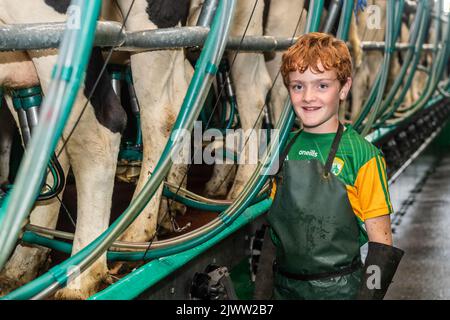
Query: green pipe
(201, 205)
(436, 73)
(194, 203)
(233, 104)
(376, 90)
(345, 21)
(67, 75)
(205, 70)
(34, 238)
(390, 39)
(417, 53)
(381, 132)
(441, 57)
(418, 21)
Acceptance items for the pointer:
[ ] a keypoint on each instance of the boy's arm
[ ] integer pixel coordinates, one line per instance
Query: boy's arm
(375, 202)
(379, 229)
(382, 258)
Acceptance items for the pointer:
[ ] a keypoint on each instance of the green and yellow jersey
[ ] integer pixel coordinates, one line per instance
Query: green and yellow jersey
(358, 164)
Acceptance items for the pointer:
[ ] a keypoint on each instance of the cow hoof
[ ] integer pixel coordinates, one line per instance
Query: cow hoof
(216, 190)
(119, 268)
(72, 294)
(7, 285)
(83, 289)
(214, 193)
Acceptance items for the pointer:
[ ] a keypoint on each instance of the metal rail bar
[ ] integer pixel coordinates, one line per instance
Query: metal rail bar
(109, 34)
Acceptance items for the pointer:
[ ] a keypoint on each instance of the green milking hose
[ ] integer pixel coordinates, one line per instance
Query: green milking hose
(345, 20)
(410, 56)
(390, 39)
(439, 67)
(435, 76)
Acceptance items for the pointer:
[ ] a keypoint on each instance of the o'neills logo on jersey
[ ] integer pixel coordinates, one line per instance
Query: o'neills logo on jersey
(311, 153)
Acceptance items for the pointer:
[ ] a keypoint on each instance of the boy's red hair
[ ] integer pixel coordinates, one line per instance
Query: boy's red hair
(315, 47)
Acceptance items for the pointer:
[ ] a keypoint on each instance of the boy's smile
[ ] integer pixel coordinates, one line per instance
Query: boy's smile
(315, 97)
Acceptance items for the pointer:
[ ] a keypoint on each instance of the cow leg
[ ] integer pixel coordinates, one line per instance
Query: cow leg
(223, 175)
(17, 71)
(161, 79)
(92, 151)
(252, 83)
(27, 261)
(282, 22)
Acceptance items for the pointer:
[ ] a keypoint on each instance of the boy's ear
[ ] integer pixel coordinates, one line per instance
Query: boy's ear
(345, 89)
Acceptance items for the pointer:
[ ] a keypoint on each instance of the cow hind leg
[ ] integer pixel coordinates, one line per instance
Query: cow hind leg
(223, 175)
(27, 262)
(252, 83)
(93, 151)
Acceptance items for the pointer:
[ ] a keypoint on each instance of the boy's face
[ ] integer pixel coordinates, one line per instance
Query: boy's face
(315, 97)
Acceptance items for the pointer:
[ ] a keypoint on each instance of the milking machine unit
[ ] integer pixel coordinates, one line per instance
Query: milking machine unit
(27, 102)
(130, 155)
(213, 117)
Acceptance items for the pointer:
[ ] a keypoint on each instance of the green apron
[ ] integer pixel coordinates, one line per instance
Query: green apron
(317, 252)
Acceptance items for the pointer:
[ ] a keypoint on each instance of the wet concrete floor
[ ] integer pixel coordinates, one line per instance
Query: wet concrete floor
(421, 200)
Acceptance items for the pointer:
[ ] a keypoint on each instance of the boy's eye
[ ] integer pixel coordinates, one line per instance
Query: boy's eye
(323, 86)
(297, 87)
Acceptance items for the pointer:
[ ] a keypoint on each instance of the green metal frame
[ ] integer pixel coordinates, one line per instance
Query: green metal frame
(144, 277)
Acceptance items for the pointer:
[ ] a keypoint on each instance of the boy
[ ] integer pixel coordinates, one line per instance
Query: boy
(331, 183)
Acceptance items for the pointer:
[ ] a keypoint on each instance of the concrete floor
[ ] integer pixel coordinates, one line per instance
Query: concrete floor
(421, 197)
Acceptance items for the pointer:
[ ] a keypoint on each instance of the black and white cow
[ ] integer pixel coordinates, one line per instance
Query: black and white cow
(91, 151)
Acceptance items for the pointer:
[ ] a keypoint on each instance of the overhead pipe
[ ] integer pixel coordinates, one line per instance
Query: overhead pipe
(110, 34)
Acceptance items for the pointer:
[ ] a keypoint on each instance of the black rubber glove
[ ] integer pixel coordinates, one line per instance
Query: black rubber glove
(379, 269)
